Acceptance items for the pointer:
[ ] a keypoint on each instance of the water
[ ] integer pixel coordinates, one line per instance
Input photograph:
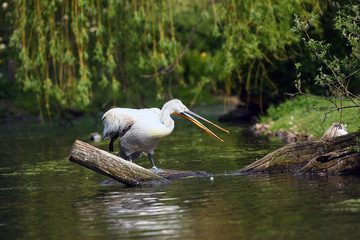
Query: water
(45, 196)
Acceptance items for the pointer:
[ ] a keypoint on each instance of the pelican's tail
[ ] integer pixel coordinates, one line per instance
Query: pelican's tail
(117, 122)
(109, 125)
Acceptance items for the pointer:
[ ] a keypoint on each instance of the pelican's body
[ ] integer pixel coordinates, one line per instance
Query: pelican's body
(141, 129)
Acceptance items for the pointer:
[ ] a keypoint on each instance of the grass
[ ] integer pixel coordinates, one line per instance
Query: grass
(307, 115)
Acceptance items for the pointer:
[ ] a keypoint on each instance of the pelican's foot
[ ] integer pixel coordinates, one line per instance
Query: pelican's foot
(156, 170)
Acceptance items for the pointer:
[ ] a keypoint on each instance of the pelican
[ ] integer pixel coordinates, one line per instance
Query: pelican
(141, 129)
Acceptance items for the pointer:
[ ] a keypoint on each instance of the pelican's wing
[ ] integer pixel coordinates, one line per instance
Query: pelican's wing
(117, 122)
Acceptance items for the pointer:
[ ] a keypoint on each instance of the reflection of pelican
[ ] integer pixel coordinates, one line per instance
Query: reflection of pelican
(141, 129)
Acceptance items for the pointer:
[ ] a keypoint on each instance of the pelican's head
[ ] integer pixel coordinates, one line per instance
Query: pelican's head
(179, 109)
(175, 105)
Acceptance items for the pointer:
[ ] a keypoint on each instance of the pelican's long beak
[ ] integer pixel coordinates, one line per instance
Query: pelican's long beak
(189, 115)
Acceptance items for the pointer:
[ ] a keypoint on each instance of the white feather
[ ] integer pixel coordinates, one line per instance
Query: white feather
(141, 129)
(145, 121)
(117, 119)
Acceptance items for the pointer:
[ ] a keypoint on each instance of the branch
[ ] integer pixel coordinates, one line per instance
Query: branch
(334, 110)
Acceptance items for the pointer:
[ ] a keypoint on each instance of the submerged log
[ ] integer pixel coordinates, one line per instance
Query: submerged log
(171, 174)
(176, 174)
(123, 171)
(330, 156)
(115, 167)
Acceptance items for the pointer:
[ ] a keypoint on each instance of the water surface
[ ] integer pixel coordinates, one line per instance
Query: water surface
(44, 196)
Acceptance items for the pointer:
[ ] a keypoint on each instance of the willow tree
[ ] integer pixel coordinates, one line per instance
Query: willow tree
(70, 50)
(66, 49)
(256, 36)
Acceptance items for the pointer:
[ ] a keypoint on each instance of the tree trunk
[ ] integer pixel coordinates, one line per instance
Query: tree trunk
(320, 157)
(115, 167)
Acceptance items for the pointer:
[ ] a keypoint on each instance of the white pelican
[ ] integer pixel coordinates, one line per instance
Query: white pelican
(141, 129)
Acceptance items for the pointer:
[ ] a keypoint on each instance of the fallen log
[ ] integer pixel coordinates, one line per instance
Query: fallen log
(295, 156)
(171, 174)
(344, 161)
(123, 171)
(115, 167)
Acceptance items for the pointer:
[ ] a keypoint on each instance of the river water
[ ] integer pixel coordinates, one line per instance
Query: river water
(45, 196)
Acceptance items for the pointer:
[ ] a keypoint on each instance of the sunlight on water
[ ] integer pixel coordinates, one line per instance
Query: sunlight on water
(44, 196)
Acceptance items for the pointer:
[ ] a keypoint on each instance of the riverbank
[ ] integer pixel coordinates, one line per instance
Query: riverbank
(304, 118)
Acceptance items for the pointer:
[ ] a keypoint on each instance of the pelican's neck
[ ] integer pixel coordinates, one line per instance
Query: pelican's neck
(166, 118)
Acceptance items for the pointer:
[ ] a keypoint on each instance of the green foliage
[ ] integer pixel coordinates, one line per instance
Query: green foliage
(66, 50)
(356, 148)
(254, 41)
(306, 115)
(253, 38)
(335, 73)
(81, 53)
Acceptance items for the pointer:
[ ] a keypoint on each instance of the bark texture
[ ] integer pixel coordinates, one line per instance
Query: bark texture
(330, 156)
(342, 161)
(115, 167)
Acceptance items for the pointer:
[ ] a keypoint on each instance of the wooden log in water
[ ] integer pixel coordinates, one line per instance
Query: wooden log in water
(115, 167)
(320, 157)
(172, 174)
(176, 174)
(344, 161)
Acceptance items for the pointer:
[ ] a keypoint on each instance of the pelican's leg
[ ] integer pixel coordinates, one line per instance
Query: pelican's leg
(154, 168)
(132, 157)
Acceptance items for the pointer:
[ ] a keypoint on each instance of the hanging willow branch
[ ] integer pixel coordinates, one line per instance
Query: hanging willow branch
(71, 52)
(171, 68)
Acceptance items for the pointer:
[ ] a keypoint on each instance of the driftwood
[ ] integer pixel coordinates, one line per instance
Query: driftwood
(112, 166)
(316, 157)
(122, 170)
(344, 161)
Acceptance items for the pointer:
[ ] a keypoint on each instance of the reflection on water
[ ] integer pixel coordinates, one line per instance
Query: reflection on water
(229, 207)
(44, 196)
(134, 214)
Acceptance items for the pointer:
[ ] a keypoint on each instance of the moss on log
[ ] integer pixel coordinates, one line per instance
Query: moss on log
(295, 156)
